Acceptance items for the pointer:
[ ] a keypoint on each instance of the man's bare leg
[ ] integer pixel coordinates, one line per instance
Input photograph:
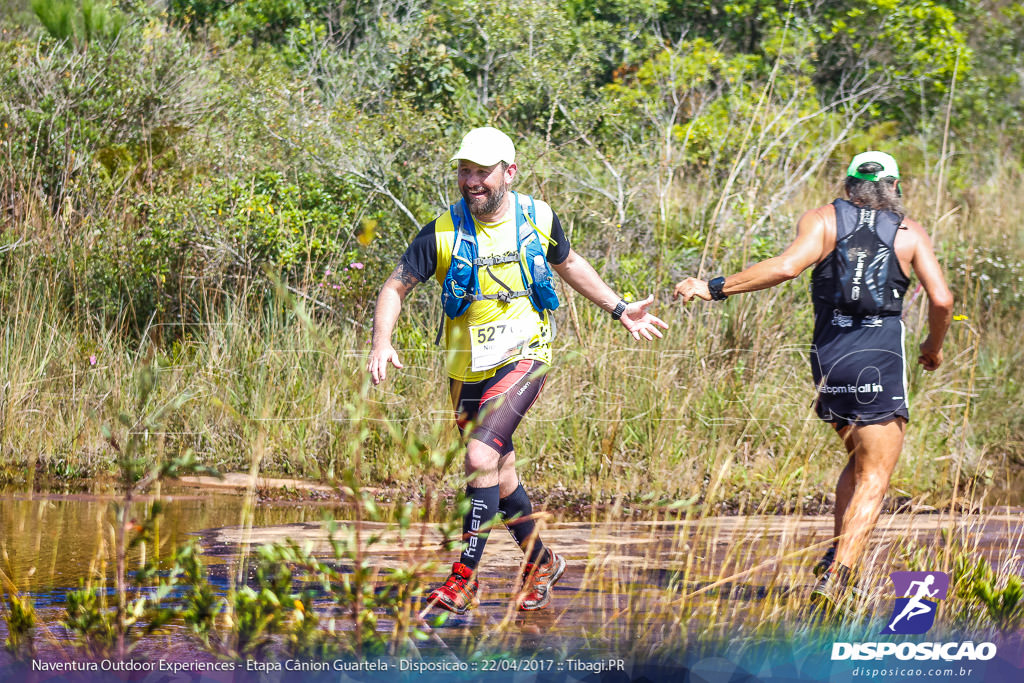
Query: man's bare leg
(481, 464)
(508, 478)
(874, 450)
(844, 492)
(845, 485)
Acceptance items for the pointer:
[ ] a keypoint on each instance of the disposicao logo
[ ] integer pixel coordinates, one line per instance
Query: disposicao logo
(917, 594)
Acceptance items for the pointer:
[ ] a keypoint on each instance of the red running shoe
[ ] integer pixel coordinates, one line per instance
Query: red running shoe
(538, 580)
(458, 593)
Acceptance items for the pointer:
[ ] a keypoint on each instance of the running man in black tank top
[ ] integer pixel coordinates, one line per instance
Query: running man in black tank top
(863, 251)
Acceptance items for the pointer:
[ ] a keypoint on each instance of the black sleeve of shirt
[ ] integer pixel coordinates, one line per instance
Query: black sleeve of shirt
(559, 251)
(420, 258)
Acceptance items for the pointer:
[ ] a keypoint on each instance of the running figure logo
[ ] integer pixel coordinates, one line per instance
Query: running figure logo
(914, 612)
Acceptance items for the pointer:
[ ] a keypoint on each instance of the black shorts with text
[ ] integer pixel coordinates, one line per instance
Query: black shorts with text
(859, 368)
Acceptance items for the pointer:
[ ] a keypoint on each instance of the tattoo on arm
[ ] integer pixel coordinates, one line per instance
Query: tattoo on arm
(404, 277)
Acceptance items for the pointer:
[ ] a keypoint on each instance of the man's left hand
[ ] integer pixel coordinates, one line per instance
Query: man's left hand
(692, 288)
(640, 323)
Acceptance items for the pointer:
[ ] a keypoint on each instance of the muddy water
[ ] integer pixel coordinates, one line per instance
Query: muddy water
(624, 580)
(51, 542)
(650, 568)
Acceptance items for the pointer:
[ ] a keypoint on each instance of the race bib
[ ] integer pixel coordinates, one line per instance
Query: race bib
(491, 344)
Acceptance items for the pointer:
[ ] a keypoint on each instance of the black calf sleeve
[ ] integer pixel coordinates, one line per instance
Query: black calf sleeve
(517, 510)
(483, 508)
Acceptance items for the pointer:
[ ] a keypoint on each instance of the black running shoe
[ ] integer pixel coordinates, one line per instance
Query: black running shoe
(825, 563)
(832, 589)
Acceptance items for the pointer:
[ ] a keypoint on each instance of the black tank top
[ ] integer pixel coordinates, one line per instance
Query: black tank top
(862, 275)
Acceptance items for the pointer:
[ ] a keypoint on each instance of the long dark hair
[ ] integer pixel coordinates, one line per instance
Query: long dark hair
(881, 195)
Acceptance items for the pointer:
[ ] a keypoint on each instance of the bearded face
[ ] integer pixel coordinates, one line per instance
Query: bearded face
(484, 188)
(486, 203)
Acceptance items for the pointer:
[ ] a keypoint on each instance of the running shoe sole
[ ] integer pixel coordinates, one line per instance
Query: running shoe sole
(444, 604)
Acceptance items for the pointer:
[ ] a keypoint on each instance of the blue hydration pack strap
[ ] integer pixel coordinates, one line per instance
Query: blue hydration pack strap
(465, 227)
(538, 284)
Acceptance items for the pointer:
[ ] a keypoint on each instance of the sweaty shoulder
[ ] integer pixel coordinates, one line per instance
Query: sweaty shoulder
(910, 236)
(913, 227)
(823, 215)
(819, 223)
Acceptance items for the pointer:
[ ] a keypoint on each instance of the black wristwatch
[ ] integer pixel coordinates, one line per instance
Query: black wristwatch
(619, 309)
(715, 287)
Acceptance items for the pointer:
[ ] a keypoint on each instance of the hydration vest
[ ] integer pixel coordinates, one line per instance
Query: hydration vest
(461, 286)
(861, 276)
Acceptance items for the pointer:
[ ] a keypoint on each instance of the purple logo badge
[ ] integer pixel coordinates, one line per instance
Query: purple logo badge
(917, 594)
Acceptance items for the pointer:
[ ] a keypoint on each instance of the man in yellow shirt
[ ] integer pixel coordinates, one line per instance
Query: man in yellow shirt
(498, 338)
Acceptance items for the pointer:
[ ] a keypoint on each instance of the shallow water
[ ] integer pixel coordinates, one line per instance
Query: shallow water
(625, 580)
(51, 542)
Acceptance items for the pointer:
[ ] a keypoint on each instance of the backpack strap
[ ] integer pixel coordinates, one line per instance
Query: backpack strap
(505, 296)
(462, 228)
(526, 221)
(846, 218)
(888, 227)
(510, 257)
(527, 230)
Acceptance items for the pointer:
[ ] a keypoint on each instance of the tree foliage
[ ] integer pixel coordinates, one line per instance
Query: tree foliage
(187, 154)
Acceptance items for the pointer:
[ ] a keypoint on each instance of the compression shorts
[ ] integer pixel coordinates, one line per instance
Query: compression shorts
(494, 407)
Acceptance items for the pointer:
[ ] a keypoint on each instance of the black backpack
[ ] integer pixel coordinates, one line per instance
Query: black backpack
(865, 273)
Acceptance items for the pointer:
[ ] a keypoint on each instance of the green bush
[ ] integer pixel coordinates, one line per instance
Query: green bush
(123, 105)
(91, 22)
(170, 259)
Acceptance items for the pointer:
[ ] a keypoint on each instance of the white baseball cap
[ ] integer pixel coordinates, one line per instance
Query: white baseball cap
(889, 167)
(486, 146)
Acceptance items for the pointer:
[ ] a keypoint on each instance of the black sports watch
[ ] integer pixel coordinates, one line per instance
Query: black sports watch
(619, 309)
(715, 287)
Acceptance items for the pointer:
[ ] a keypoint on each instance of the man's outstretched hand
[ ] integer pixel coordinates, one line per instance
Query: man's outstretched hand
(640, 323)
(691, 288)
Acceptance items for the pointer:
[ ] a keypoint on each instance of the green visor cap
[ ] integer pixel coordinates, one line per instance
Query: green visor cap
(888, 164)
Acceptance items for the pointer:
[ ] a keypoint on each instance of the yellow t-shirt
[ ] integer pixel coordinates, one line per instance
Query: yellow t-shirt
(492, 240)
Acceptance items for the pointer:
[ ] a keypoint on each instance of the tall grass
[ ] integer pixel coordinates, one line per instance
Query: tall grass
(721, 410)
